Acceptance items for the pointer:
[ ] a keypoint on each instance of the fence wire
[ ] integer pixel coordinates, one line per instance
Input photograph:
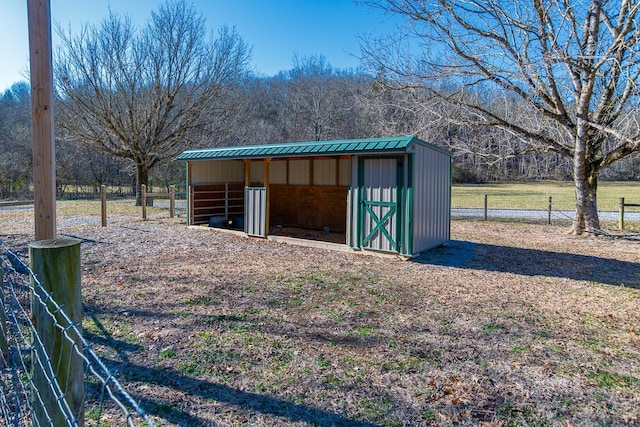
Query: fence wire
(23, 358)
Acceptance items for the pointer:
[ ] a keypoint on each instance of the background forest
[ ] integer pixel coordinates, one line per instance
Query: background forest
(312, 101)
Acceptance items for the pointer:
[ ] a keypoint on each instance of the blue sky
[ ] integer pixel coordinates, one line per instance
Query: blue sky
(276, 29)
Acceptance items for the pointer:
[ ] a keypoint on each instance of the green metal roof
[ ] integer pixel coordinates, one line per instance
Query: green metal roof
(395, 144)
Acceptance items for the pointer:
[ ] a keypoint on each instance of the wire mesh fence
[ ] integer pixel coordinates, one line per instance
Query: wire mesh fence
(34, 383)
(533, 208)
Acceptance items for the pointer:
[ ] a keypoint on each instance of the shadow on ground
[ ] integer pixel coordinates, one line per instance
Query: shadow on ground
(533, 262)
(244, 401)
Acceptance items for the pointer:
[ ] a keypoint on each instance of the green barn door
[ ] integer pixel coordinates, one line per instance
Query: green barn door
(380, 188)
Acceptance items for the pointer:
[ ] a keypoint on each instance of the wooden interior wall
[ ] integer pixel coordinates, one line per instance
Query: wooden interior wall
(309, 206)
(210, 200)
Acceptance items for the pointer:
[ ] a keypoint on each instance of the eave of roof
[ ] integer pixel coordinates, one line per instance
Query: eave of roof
(396, 144)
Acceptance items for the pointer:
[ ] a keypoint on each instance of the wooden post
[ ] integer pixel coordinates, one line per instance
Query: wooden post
(103, 204)
(268, 202)
(247, 173)
(549, 210)
(4, 343)
(621, 214)
(44, 163)
(226, 201)
(486, 207)
(172, 200)
(56, 264)
(143, 190)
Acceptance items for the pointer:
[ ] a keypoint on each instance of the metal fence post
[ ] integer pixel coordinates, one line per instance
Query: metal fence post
(56, 265)
(621, 214)
(549, 210)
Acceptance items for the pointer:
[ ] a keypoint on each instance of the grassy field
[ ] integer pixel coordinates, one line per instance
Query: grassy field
(508, 325)
(535, 195)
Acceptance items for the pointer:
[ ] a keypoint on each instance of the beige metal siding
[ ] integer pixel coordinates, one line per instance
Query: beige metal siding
(257, 172)
(345, 172)
(431, 198)
(299, 172)
(206, 171)
(278, 172)
(324, 171)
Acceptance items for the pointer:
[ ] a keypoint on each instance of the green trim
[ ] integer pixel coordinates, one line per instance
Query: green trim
(187, 188)
(380, 222)
(359, 226)
(400, 204)
(409, 207)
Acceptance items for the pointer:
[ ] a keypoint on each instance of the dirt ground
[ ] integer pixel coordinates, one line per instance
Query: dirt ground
(508, 324)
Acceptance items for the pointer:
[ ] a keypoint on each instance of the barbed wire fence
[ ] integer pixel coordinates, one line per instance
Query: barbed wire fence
(25, 365)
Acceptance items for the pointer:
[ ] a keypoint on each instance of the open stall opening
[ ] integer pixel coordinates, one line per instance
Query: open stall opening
(308, 198)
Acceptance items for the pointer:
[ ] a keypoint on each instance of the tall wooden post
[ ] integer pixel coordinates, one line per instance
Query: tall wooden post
(486, 207)
(4, 342)
(103, 204)
(44, 164)
(247, 173)
(549, 210)
(56, 264)
(143, 190)
(621, 214)
(267, 219)
(172, 200)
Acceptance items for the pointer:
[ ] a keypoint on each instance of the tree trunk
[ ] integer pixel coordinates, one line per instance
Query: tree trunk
(586, 183)
(142, 177)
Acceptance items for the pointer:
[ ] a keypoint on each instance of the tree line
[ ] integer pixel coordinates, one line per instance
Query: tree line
(312, 101)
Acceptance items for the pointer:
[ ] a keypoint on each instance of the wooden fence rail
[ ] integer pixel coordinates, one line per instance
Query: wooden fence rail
(16, 203)
(171, 195)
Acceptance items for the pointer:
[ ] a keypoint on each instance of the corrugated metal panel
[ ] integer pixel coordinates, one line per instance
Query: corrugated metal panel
(431, 198)
(345, 172)
(257, 172)
(217, 171)
(255, 211)
(396, 144)
(324, 171)
(278, 172)
(299, 172)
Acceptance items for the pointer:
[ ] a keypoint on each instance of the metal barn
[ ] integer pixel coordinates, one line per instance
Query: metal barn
(382, 194)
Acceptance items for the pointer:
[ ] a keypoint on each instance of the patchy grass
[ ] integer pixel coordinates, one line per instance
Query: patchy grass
(509, 324)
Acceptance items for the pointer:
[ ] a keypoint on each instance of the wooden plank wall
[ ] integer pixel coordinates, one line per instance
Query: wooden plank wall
(308, 206)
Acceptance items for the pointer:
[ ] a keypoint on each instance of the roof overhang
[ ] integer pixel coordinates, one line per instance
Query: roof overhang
(387, 145)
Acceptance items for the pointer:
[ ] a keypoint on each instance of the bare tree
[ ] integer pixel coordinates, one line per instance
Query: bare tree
(15, 140)
(574, 64)
(145, 95)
